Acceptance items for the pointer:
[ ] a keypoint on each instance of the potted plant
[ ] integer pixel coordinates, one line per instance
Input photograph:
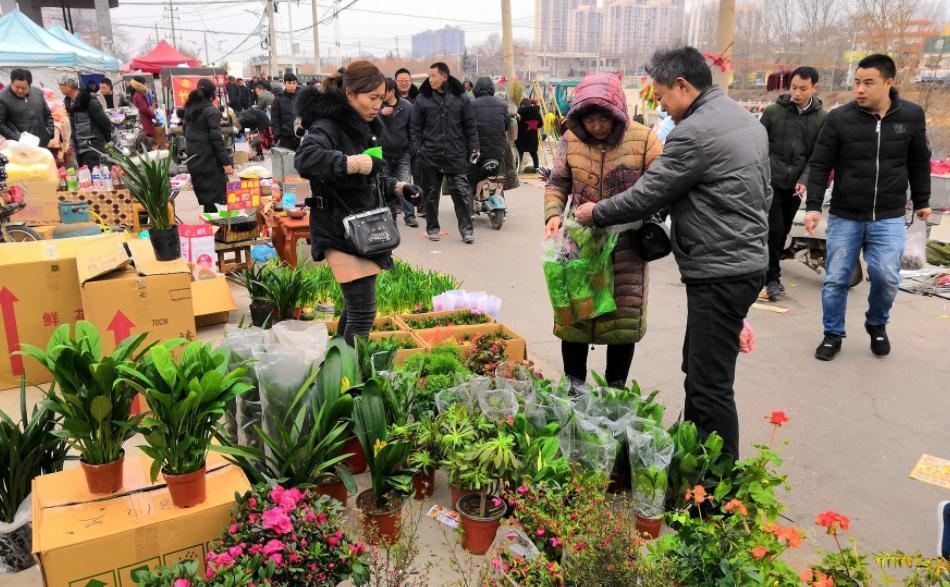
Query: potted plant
(147, 178)
(338, 374)
(288, 288)
(187, 398)
(423, 458)
(456, 431)
(488, 463)
(95, 404)
(28, 449)
(650, 450)
(381, 505)
(262, 308)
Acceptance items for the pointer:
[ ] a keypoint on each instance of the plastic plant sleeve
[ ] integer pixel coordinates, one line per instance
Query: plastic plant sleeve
(243, 413)
(281, 370)
(445, 399)
(589, 441)
(309, 338)
(651, 450)
(498, 404)
(16, 540)
(509, 539)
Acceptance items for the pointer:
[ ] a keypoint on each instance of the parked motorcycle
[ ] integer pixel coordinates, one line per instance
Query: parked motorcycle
(489, 194)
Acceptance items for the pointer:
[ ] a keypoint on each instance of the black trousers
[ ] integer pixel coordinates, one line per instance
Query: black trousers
(715, 312)
(458, 188)
(534, 158)
(784, 206)
(619, 358)
(359, 308)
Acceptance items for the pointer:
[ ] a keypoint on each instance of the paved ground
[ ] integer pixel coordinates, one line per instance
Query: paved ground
(857, 425)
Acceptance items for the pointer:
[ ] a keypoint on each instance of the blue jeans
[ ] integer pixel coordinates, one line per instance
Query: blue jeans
(400, 169)
(883, 244)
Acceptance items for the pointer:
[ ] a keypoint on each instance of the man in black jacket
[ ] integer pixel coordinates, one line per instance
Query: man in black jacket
(492, 115)
(395, 115)
(92, 128)
(792, 122)
(876, 145)
(282, 114)
(445, 138)
(404, 85)
(23, 109)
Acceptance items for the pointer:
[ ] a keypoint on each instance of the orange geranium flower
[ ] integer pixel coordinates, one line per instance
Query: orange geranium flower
(758, 552)
(777, 418)
(735, 504)
(697, 494)
(832, 522)
(823, 580)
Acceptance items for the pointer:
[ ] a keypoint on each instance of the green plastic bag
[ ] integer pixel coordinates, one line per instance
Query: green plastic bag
(578, 284)
(555, 274)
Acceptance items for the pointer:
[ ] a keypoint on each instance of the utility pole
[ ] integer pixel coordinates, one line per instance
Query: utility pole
(156, 35)
(725, 33)
(316, 38)
(507, 41)
(271, 38)
(171, 16)
(207, 58)
(290, 25)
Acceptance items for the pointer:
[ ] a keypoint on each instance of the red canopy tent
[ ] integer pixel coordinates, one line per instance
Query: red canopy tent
(163, 55)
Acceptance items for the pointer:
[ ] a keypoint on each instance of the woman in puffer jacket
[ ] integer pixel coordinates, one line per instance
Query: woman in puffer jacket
(602, 153)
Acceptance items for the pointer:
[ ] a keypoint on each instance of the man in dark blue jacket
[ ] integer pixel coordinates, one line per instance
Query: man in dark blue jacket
(395, 115)
(876, 145)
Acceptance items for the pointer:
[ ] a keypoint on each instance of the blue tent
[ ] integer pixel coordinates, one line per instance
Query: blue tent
(26, 44)
(109, 63)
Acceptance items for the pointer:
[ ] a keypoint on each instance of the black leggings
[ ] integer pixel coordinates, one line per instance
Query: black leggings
(619, 358)
(359, 308)
(534, 158)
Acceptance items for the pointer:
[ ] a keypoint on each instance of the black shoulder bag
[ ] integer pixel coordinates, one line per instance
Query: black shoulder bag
(653, 238)
(372, 232)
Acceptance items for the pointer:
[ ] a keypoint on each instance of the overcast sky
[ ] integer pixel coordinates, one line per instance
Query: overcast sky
(379, 25)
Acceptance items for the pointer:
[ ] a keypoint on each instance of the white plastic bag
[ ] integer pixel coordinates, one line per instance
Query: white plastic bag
(498, 404)
(16, 540)
(915, 245)
(309, 338)
(242, 414)
(281, 371)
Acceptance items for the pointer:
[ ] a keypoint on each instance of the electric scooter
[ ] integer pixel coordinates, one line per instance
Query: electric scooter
(490, 194)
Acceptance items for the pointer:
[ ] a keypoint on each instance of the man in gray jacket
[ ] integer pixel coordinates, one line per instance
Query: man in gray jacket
(23, 109)
(713, 175)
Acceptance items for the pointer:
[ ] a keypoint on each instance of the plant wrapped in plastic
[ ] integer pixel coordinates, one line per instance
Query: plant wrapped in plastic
(244, 412)
(589, 441)
(386, 459)
(187, 398)
(518, 376)
(651, 450)
(281, 370)
(28, 448)
(579, 272)
(550, 404)
(516, 561)
(464, 393)
(439, 369)
(96, 405)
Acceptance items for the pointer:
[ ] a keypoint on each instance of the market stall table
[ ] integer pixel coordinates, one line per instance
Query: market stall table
(287, 231)
(241, 251)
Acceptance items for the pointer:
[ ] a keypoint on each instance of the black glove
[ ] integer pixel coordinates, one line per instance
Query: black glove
(412, 193)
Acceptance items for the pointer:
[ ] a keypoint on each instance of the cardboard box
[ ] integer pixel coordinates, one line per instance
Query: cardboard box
(85, 540)
(42, 202)
(125, 290)
(515, 350)
(241, 157)
(212, 300)
(39, 290)
(197, 244)
(408, 320)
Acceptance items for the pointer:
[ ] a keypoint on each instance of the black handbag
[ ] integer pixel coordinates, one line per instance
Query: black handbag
(372, 232)
(653, 240)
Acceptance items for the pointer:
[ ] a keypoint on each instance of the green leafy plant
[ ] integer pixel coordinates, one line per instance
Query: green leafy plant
(457, 318)
(438, 369)
(694, 462)
(484, 469)
(541, 448)
(924, 571)
(385, 458)
(422, 436)
(252, 278)
(146, 176)
(289, 288)
(187, 399)
(488, 351)
(401, 290)
(28, 448)
(94, 402)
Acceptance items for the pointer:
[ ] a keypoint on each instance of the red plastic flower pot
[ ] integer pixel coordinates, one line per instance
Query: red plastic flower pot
(380, 524)
(457, 494)
(105, 478)
(649, 526)
(479, 532)
(424, 484)
(187, 490)
(357, 461)
(332, 486)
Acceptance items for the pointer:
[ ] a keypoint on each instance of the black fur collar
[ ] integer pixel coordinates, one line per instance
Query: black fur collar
(452, 85)
(312, 105)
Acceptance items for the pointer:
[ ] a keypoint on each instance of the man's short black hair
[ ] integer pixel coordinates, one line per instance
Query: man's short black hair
(106, 82)
(806, 72)
(390, 84)
(260, 86)
(684, 62)
(880, 62)
(402, 70)
(442, 67)
(290, 77)
(21, 74)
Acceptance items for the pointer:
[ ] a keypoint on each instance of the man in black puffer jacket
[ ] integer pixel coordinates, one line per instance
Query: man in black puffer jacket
(492, 115)
(282, 114)
(92, 128)
(444, 135)
(876, 145)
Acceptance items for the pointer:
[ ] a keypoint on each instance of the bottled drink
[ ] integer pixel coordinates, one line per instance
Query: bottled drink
(72, 182)
(85, 178)
(62, 179)
(107, 179)
(96, 178)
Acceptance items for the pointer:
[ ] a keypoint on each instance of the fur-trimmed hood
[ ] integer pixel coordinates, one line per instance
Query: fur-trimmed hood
(312, 105)
(601, 91)
(452, 85)
(138, 86)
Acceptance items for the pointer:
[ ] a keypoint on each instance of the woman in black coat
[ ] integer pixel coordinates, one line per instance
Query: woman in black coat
(342, 122)
(208, 160)
(529, 125)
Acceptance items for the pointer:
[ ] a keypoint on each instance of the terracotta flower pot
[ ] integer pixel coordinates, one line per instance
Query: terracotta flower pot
(187, 490)
(649, 526)
(479, 532)
(332, 486)
(105, 478)
(380, 525)
(457, 494)
(357, 461)
(424, 484)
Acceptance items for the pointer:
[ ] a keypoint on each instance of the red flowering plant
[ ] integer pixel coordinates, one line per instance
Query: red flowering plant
(487, 352)
(296, 532)
(844, 567)
(506, 568)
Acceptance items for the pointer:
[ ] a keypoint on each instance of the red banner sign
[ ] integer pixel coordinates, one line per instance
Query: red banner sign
(244, 194)
(181, 87)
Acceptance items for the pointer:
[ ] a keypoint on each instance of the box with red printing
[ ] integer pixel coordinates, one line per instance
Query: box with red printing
(197, 244)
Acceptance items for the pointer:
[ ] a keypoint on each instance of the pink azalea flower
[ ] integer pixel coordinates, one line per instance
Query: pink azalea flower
(233, 529)
(321, 519)
(496, 502)
(540, 532)
(294, 558)
(273, 546)
(358, 548)
(277, 520)
(522, 490)
(252, 502)
(555, 542)
(181, 583)
(255, 549)
(224, 559)
(277, 558)
(236, 550)
(310, 516)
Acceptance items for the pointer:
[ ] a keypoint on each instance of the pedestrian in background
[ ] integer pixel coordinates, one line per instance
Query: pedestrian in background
(530, 124)
(876, 146)
(108, 98)
(23, 109)
(282, 114)
(265, 99)
(396, 114)
(491, 112)
(91, 127)
(141, 102)
(208, 161)
(793, 122)
(445, 138)
(404, 86)
(713, 175)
